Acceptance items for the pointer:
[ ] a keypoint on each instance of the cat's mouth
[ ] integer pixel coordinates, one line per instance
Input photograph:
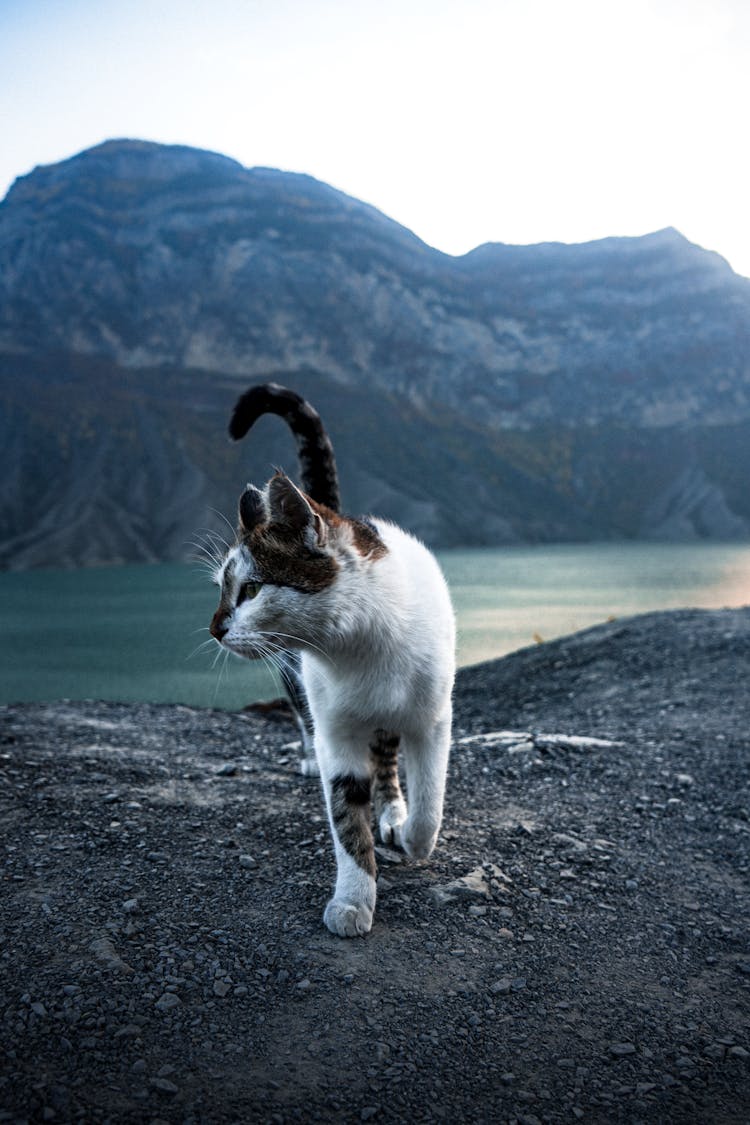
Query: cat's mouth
(252, 650)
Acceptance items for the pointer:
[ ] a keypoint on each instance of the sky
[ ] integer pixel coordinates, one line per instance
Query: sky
(468, 121)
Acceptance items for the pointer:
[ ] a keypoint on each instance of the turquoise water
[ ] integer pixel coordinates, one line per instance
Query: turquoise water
(130, 633)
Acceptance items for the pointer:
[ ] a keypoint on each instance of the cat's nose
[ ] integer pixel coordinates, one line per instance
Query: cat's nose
(219, 627)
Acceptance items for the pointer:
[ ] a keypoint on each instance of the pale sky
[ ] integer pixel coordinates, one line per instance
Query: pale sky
(468, 121)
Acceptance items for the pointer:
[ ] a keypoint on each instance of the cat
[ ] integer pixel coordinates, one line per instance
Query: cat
(367, 607)
(320, 481)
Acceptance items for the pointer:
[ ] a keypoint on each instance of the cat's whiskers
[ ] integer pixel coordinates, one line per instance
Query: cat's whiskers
(201, 647)
(271, 661)
(302, 643)
(206, 557)
(225, 651)
(221, 516)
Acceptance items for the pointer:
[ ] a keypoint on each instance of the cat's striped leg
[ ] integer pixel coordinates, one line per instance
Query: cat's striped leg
(390, 806)
(289, 667)
(349, 912)
(426, 760)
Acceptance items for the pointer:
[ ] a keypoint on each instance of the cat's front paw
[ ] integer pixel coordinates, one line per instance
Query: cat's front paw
(347, 919)
(417, 839)
(309, 767)
(390, 821)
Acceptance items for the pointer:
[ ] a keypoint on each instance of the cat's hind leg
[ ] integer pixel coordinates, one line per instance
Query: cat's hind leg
(349, 913)
(426, 761)
(291, 675)
(388, 800)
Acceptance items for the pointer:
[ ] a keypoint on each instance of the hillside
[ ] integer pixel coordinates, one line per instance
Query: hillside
(535, 393)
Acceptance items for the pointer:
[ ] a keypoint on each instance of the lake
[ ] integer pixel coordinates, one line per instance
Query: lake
(133, 633)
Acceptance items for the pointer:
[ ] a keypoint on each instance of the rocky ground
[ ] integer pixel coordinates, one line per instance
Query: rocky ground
(576, 949)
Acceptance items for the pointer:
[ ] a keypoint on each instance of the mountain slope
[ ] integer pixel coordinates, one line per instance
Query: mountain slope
(516, 393)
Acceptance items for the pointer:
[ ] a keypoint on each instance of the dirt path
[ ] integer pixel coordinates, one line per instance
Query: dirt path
(577, 949)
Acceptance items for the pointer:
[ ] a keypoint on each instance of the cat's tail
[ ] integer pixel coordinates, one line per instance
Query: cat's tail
(317, 464)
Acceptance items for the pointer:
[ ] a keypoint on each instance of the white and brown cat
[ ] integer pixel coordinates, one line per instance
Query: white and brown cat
(366, 607)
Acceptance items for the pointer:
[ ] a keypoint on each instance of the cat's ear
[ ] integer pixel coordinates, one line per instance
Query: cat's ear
(252, 510)
(291, 508)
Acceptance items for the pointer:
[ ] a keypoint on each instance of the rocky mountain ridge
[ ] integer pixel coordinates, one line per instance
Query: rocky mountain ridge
(542, 392)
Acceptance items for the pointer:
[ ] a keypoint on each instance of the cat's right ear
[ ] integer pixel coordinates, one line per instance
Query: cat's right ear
(252, 510)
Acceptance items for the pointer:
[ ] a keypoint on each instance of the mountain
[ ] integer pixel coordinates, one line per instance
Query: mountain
(516, 393)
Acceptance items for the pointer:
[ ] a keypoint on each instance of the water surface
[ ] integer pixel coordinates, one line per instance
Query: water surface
(130, 633)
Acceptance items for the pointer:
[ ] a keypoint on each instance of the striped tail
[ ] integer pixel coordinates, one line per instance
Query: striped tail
(317, 463)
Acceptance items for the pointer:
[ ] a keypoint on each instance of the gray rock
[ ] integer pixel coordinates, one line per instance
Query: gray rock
(621, 1050)
(168, 1002)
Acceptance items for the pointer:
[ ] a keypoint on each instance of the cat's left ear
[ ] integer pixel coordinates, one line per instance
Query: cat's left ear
(290, 507)
(251, 509)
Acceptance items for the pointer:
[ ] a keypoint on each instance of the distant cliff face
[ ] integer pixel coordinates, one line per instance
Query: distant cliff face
(515, 393)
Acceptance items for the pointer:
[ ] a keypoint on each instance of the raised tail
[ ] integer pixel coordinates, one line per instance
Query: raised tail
(317, 464)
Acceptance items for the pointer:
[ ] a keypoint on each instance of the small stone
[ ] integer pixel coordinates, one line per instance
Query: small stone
(518, 983)
(714, 1051)
(229, 769)
(221, 988)
(502, 985)
(164, 1086)
(246, 860)
(368, 1112)
(130, 905)
(620, 1050)
(505, 933)
(168, 1002)
(743, 967)
(39, 1009)
(388, 855)
(477, 911)
(304, 985)
(738, 1053)
(471, 886)
(685, 779)
(139, 1066)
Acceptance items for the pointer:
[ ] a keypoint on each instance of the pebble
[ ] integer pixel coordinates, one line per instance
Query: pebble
(130, 905)
(221, 988)
(620, 1050)
(247, 861)
(164, 1086)
(738, 1053)
(168, 1002)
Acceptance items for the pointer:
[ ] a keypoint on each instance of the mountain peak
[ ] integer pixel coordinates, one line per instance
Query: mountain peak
(142, 162)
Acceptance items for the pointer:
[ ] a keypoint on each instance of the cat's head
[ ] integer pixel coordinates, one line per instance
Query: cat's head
(284, 585)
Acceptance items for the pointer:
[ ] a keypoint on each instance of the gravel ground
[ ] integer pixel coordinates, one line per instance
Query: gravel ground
(576, 949)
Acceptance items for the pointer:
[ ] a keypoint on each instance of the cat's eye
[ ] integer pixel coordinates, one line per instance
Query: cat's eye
(248, 591)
